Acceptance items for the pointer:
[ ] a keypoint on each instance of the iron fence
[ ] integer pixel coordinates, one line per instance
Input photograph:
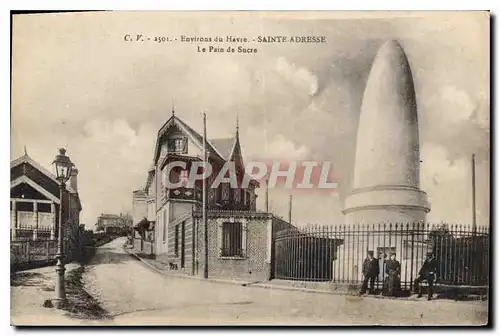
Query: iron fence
(336, 253)
(24, 233)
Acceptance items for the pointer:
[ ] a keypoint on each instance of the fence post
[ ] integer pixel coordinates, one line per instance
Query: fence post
(411, 255)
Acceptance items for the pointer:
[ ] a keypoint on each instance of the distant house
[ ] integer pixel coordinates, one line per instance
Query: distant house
(111, 223)
(240, 237)
(35, 201)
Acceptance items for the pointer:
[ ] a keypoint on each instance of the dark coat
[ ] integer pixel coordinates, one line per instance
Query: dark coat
(393, 267)
(429, 268)
(371, 267)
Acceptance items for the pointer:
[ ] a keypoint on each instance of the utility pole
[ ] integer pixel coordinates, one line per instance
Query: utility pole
(474, 225)
(205, 224)
(290, 210)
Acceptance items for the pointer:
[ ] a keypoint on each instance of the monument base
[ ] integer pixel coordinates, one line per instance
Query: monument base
(386, 204)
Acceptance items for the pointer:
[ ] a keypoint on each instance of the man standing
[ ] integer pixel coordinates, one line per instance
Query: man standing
(370, 273)
(428, 272)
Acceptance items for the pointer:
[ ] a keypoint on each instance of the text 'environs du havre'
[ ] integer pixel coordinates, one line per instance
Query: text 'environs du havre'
(258, 39)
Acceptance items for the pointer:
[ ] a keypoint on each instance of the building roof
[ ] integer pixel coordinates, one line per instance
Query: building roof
(109, 216)
(196, 137)
(34, 185)
(224, 146)
(27, 159)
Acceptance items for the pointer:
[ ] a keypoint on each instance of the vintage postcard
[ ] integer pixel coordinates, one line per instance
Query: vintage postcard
(250, 168)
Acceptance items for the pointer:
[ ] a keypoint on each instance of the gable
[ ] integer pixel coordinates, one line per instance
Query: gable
(194, 138)
(226, 149)
(26, 191)
(26, 166)
(173, 128)
(35, 175)
(31, 186)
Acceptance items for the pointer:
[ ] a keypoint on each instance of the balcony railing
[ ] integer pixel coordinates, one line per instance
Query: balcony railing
(193, 194)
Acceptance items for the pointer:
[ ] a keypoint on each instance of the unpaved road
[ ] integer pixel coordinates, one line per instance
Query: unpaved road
(134, 294)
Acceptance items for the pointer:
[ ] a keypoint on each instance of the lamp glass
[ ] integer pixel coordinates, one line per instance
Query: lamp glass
(63, 166)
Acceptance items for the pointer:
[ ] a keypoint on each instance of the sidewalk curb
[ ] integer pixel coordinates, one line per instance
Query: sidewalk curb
(183, 276)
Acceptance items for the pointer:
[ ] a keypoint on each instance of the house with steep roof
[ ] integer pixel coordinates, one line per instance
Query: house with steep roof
(239, 236)
(35, 201)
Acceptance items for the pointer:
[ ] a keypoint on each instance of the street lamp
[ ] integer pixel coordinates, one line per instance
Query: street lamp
(63, 166)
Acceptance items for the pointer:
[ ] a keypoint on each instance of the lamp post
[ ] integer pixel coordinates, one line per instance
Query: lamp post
(63, 166)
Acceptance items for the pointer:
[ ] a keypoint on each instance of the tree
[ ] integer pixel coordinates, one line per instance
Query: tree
(440, 235)
(126, 220)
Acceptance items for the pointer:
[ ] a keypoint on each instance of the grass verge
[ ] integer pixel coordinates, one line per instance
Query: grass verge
(82, 305)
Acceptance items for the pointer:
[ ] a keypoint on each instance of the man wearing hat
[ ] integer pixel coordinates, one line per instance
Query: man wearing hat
(370, 273)
(428, 272)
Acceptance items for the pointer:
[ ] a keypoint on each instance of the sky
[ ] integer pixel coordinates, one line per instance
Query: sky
(76, 83)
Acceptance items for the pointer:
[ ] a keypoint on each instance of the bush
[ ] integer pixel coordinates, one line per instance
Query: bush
(81, 244)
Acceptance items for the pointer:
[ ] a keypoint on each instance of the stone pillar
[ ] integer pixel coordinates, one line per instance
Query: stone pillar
(35, 219)
(13, 224)
(53, 227)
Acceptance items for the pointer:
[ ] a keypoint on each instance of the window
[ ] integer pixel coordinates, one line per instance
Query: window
(237, 195)
(184, 178)
(177, 145)
(176, 241)
(232, 239)
(175, 176)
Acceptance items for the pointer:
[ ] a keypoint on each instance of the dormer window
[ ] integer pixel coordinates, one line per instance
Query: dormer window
(177, 145)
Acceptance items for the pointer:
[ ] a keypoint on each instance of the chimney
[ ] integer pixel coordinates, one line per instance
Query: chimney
(74, 179)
